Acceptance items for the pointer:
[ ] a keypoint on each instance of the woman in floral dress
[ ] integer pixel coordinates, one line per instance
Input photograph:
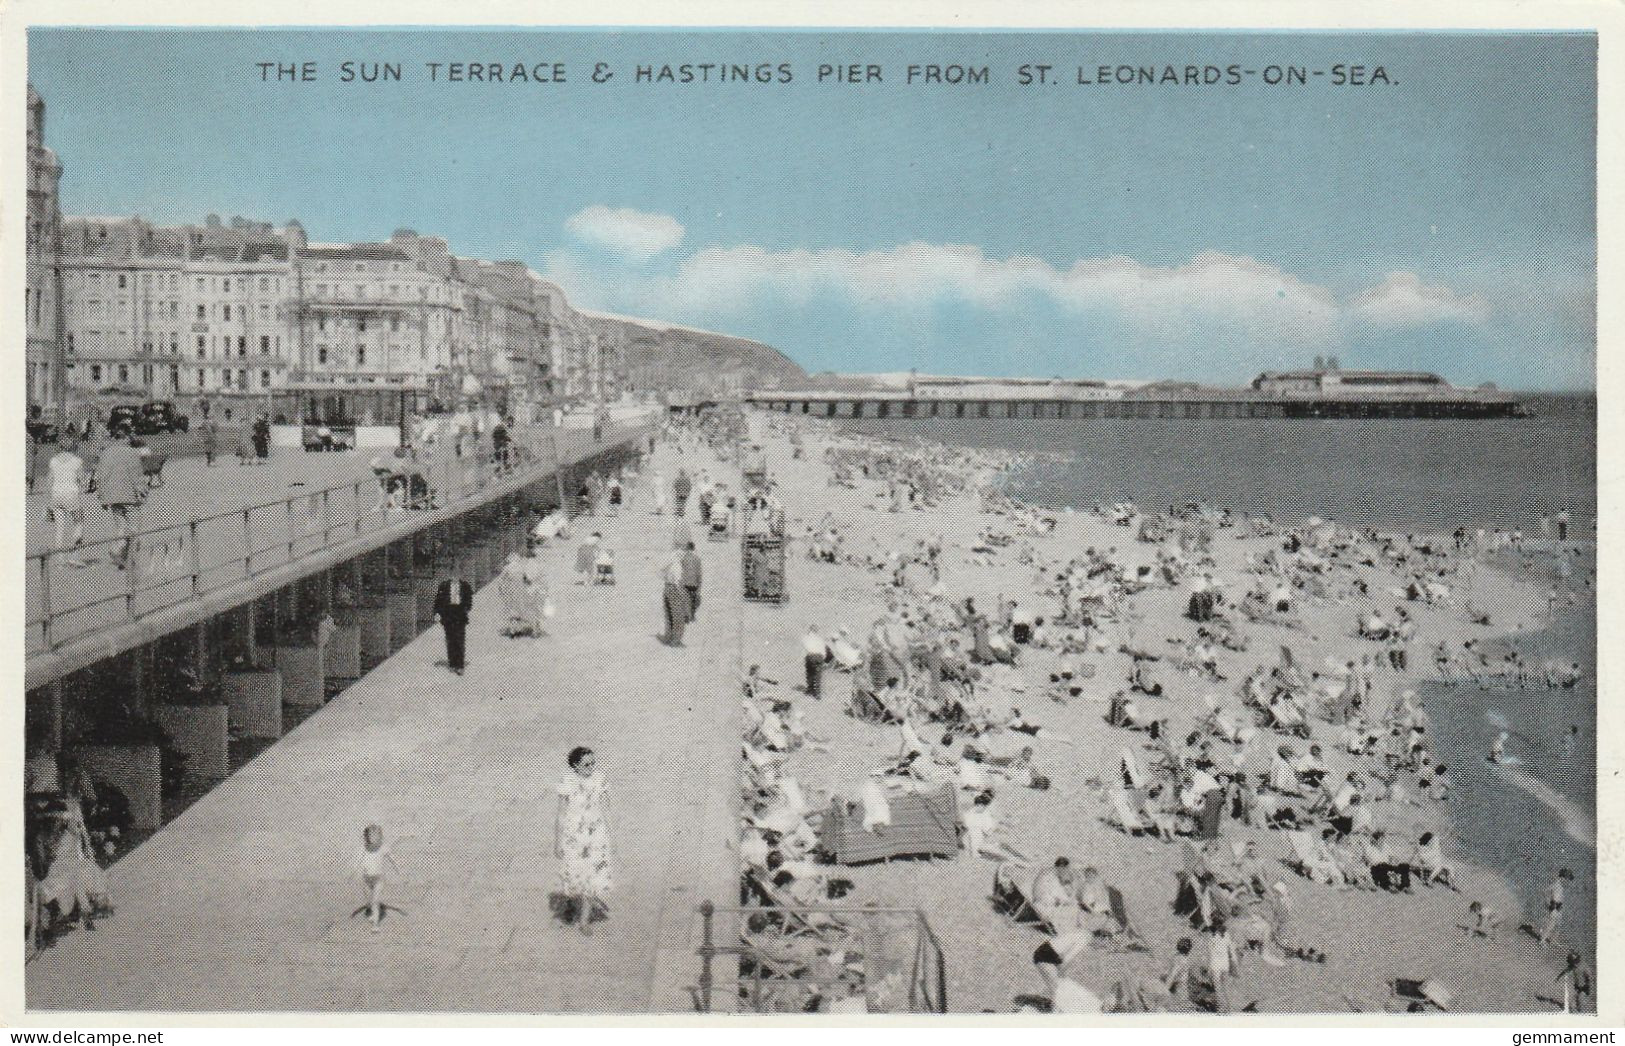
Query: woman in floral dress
(581, 842)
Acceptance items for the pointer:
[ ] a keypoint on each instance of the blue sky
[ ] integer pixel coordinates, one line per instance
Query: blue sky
(1444, 220)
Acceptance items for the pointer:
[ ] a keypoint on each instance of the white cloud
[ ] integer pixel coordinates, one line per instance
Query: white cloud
(637, 235)
(1403, 300)
(1212, 295)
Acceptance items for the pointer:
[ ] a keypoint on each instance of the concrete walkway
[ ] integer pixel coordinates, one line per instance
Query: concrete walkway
(272, 533)
(243, 903)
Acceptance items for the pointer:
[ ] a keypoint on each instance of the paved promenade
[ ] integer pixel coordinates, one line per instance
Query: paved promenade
(193, 490)
(243, 902)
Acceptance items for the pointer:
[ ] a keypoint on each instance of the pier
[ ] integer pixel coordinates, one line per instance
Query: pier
(1206, 405)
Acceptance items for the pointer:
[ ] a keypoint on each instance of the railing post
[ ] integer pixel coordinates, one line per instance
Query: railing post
(132, 563)
(195, 557)
(45, 599)
(327, 525)
(707, 951)
(248, 547)
(292, 534)
(359, 513)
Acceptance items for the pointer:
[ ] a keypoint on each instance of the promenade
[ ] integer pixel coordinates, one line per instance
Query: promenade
(227, 521)
(244, 901)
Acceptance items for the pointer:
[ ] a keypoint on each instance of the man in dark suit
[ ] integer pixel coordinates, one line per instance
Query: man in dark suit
(691, 579)
(451, 606)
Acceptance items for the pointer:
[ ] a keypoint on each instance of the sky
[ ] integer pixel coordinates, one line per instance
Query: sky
(1441, 218)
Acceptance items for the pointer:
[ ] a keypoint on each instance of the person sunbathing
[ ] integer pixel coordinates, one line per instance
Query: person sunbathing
(1055, 899)
(1429, 863)
(984, 833)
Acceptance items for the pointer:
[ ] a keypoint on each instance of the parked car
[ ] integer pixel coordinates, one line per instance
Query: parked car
(149, 419)
(161, 416)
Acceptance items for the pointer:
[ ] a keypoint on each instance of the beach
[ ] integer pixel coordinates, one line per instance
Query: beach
(1369, 937)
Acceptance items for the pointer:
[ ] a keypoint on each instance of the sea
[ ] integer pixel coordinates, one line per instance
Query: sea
(1527, 817)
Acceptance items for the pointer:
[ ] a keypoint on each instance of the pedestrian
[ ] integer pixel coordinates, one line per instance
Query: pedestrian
(374, 855)
(499, 444)
(815, 652)
(68, 480)
(538, 601)
(675, 600)
(262, 438)
(211, 440)
(586, 556)
(581, 842)
(122, 483)
(36, 438)
(1576, 981)
(1563, 525)
(680, 489)
(511, 590)
(1555, 895)
(692, 575)
(451, 606)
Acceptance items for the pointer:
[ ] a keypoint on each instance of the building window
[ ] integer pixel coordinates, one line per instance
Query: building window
(123, 373)
(202, 285)
(123, 281)
(225, 286)
(361, 323)
(174, 345)
(146, 374)
(200, 346)
(228, 313)
(265, 379)
(174, 378)
(265, 283)
(202, 312)
(200, 382)
(265, 344)
(225, 379)
(360, 355)
(265, 312)
(96, 373)
(321, 323)
(242, 380)
(394, 323)
(321, 354)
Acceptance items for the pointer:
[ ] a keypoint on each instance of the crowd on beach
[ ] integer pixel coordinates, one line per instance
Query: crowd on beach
(1257, 685)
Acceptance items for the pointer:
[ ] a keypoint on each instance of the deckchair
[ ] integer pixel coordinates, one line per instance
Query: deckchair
(1129, 763)
(1127, 929)
(797, 918)
(1127, 817)
(1011, 900)
(1308, 857)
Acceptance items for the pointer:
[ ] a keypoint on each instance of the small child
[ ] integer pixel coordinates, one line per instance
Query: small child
(373, 856)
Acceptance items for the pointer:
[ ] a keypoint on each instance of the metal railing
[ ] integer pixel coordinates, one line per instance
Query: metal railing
(72, 593)
(896, 945)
